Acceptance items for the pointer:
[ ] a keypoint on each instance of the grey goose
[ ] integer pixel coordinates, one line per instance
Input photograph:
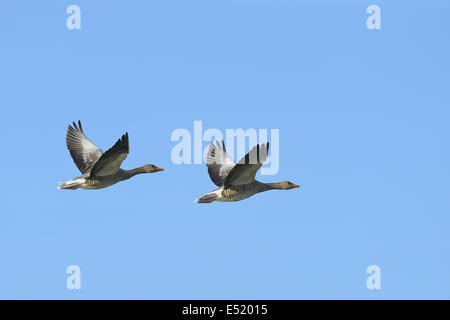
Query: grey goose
(236, 181)
(98, 170)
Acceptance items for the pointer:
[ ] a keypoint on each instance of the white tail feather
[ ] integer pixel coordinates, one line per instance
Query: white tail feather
(71, 184)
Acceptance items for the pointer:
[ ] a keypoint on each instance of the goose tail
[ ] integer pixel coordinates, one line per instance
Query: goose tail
(71, 184)
(207, 198)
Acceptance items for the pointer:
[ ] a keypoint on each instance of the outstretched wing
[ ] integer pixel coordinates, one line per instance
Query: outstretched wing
(219, 163)
(244, 171)
(111, 160)
(83, 151)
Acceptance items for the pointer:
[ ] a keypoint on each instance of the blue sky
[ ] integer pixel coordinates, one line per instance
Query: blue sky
(363, 119)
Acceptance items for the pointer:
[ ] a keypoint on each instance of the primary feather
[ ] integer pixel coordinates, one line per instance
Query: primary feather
(83, 151)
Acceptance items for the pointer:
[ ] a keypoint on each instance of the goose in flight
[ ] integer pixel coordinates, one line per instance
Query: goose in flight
(99, 170)
(237, 181)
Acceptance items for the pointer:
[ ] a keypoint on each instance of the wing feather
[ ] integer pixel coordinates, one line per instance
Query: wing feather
(83, 151)
(245, 170)
(219, 163)
(110, 162)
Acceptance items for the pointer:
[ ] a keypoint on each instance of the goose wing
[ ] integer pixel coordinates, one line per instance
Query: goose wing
(110, 162)
(83, 151)
(244, 171)
(219, 163)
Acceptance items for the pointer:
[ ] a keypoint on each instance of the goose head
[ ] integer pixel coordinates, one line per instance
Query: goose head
(283, 185)
(287, 185)
(150, 168)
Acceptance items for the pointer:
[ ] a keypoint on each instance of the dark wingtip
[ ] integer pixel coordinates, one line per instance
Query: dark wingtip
(258, 157)
(126, 141)
(76, 127)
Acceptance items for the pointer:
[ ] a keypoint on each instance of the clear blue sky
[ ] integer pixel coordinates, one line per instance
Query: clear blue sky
(364, 129)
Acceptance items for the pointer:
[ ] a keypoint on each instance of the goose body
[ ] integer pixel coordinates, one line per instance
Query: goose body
(99, 170)
(85, 181)
(237, 181)
(237, 193)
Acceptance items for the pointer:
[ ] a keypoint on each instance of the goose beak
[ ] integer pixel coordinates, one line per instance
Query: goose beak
(295, 186)
(159, 169)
